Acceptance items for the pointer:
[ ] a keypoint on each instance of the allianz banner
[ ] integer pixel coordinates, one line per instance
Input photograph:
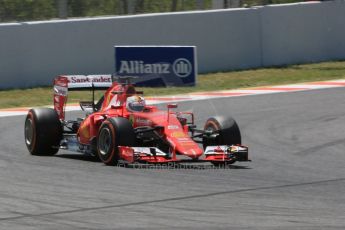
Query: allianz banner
(157, 65)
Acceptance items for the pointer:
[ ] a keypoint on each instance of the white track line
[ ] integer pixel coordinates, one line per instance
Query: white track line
(211, 95)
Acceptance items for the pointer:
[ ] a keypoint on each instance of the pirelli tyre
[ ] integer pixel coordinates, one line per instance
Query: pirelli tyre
(42, 131)
(221, 131)
(114, 132)
(225, 131)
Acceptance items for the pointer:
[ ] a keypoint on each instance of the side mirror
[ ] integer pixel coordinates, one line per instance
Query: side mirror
(172, 106)
(116, 106)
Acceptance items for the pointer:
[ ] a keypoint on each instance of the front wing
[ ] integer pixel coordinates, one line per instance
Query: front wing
(215, 154)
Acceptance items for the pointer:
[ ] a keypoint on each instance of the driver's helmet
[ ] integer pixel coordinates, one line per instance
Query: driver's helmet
(135, 104)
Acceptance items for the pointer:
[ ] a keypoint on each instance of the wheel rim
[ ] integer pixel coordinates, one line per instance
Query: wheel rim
(29, 131)
(210, 127)
(104, 143)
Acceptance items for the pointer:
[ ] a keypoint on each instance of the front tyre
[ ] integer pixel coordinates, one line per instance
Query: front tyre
(114, 132)
(42, 131)
(223, 131)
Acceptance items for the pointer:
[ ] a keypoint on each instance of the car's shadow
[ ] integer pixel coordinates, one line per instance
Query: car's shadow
(79, 157)
(166, 166)
(184, 166)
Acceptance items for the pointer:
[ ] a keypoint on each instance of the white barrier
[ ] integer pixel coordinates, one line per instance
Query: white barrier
(31, 54)
(301, 33)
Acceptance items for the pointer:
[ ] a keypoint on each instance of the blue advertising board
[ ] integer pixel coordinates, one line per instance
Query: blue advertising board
(157, 65)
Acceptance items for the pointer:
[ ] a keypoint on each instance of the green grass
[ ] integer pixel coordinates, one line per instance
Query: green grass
(207, 82)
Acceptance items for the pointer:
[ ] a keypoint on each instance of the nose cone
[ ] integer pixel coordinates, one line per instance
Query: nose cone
(193, 153)
(181, 140)
(189, 148)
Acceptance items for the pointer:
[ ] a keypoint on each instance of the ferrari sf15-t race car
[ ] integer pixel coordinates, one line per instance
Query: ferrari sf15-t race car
(121, 128)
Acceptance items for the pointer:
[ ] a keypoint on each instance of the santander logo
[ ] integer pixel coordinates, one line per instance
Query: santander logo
(88, 79)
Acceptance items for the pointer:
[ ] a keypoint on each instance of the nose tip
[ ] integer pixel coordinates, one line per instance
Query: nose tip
(193, 153)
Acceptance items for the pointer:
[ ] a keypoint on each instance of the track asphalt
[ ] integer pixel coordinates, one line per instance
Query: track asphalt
(296, 179)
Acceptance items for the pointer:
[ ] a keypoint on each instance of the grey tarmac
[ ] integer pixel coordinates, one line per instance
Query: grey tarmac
(295, 181)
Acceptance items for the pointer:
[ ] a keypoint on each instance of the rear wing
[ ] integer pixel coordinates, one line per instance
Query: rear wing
(65, 83)
(86, 82)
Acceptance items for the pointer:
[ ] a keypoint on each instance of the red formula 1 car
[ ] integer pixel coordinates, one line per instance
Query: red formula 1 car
(119, 132)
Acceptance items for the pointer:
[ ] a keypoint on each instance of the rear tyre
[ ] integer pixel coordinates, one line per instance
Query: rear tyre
(42, 131)
(114, 132)
(229, 134)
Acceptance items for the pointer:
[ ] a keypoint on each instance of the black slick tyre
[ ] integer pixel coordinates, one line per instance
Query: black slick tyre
(114, 132)
(228, 134)
(42, 131)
